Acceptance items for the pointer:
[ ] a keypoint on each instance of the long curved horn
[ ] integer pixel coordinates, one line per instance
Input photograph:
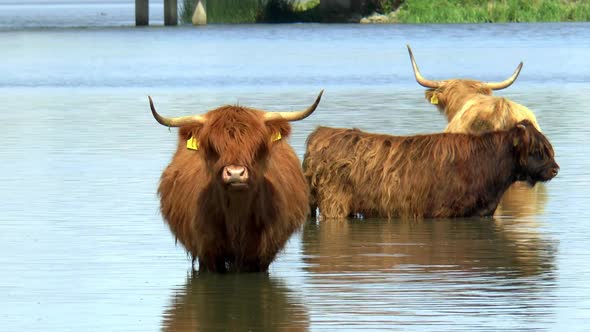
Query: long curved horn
(175, 122)
(419, 78)
(295, 115)
(506, 83)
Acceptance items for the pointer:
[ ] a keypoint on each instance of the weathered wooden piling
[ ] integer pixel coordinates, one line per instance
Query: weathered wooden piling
(142, 12)
(200, 14)
(170, 12)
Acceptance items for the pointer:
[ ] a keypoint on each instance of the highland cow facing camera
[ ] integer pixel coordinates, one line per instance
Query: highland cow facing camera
(234, 191)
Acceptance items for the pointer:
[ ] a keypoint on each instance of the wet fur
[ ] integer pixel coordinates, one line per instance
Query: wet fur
(470, 108)
(234, 231)
(439, 175)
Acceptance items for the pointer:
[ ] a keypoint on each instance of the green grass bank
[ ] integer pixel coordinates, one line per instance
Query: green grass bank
(394, 11)
(485, 11)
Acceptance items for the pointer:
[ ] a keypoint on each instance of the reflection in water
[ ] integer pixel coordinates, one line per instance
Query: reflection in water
(408, 274)
(428, 245)
(520, 200)
(233, 302)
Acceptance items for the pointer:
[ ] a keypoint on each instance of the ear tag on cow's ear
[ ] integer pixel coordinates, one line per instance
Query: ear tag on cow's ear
(276, 137)
(192, 143)
(434, 99)
(515, 142)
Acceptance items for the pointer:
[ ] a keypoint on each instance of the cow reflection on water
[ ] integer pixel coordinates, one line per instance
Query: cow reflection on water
(467, 245)
(520, 201)
(247, 302)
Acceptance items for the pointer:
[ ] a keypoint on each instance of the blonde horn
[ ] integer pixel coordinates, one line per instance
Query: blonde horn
(294, 115)
(175, 122)
(419, 78)
(506, 83)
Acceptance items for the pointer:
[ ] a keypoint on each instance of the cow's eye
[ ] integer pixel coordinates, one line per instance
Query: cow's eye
(538, 155)
(261, 152)
(212, 154)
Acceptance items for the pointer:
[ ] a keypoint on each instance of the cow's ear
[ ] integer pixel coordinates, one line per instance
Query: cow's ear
(187, 132)
(519, 138)
(521, 142)
(279, 128)
(432, 96)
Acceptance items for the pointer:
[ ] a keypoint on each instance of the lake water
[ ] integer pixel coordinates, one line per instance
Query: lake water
(84, 247)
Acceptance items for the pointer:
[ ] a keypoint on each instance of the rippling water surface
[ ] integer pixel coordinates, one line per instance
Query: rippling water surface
(85, 248)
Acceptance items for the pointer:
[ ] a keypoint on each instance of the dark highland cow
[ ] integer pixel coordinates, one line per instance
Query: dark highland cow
(234, 191)
(469, 105)
(429, 176)
(470, 108)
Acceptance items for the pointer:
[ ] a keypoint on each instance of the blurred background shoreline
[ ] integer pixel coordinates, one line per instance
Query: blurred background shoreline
(116, 13)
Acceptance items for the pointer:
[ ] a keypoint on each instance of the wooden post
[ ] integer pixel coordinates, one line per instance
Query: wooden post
(200, 14)
(170, 12)
(142, 12)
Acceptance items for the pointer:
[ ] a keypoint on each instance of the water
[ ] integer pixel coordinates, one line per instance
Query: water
(85, 249)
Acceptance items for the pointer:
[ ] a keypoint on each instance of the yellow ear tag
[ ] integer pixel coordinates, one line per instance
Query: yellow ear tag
(192, 143)
(276, 137)
(515, 142)
(434, 99)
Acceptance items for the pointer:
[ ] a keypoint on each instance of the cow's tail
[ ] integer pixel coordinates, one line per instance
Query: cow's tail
(308, 172)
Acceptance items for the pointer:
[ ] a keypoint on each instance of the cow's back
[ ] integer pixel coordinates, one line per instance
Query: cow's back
(326, 146)
(327, 166)
(482, 114)
(350, 172)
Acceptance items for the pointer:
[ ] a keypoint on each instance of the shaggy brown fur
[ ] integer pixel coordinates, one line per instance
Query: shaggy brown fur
(439, 175)
(470, 108)
(227, 229)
